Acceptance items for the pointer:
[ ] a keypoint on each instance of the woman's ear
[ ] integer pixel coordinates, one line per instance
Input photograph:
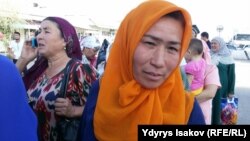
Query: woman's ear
(64, 44)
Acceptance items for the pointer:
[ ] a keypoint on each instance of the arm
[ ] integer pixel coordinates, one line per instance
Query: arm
(190, 79)
(212, 83)
(208, 92)
(21, 63)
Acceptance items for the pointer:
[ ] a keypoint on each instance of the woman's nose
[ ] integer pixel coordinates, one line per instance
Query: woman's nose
(158, 57)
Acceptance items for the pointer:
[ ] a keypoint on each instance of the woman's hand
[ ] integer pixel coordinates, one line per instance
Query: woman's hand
(28, 53)
(63, 107)
(230, 96)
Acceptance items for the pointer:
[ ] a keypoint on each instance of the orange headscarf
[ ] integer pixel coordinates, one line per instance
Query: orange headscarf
(122, 103)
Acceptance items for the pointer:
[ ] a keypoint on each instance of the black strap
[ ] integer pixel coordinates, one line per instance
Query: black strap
(65, 80)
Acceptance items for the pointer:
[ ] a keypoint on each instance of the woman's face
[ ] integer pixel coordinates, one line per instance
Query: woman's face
(50, 41)
(215, 46)
(158, 53)
(90, 52)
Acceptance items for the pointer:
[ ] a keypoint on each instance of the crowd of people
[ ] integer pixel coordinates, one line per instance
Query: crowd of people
(113, 87)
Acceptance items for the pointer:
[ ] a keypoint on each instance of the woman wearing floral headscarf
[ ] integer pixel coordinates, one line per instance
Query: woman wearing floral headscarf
(142, 82)
(222, 57)
(58, 46)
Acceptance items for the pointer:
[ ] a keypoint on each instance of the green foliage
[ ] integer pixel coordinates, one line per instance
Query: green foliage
(7, 26)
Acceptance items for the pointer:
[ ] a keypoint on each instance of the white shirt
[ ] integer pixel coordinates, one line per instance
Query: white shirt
(2, 48)
(16, 48)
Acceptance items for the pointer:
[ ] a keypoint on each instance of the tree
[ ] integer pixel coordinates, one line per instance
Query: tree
(7, 26)
(8, 17)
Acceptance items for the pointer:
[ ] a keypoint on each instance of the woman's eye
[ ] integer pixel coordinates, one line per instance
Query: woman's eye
(149, 43)
(172, 49)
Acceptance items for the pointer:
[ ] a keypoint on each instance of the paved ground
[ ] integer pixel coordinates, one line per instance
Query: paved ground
(242, 90)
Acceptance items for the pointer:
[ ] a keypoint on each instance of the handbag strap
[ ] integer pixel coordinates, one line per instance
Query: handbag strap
(63, 89)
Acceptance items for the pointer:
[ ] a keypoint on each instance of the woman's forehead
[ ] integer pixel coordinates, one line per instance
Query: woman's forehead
(47, 24)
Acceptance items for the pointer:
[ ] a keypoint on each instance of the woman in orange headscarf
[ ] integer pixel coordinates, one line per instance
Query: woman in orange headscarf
(142, 82)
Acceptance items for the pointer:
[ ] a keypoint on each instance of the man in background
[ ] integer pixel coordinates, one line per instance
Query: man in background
(205, 37)
(16, 46)
(195, 31)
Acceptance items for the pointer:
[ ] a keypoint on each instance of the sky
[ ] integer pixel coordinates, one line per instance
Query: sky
(233, 15)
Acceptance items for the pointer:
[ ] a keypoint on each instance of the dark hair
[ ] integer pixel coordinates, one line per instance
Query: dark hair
(196, 46)
(18, 33)
(205, 34)
(36, 32)
(195, 29)
(177, 15)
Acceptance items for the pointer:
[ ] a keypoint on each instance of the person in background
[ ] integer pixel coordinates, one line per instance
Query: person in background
(16, 46)
(58, 46)
(147, 86)
(195, 31)
(195, 67)
(222, 57)
(90, 46)
(206, 50)
(205, 37)
(102, 57)
(211, 83)
(18, 121)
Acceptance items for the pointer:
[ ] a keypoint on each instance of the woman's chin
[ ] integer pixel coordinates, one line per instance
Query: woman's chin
(151, 85)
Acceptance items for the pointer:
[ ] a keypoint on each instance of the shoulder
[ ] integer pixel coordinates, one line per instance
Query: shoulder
(212, 75)
(84, 71)
(7, 66)
(210, 68)
(12, 91)
(189, 65)
(86, 68)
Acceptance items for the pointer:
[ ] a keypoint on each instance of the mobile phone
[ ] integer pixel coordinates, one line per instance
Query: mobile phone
(34, 42)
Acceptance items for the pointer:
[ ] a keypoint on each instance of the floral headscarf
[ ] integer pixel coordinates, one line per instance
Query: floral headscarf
(122, 102)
